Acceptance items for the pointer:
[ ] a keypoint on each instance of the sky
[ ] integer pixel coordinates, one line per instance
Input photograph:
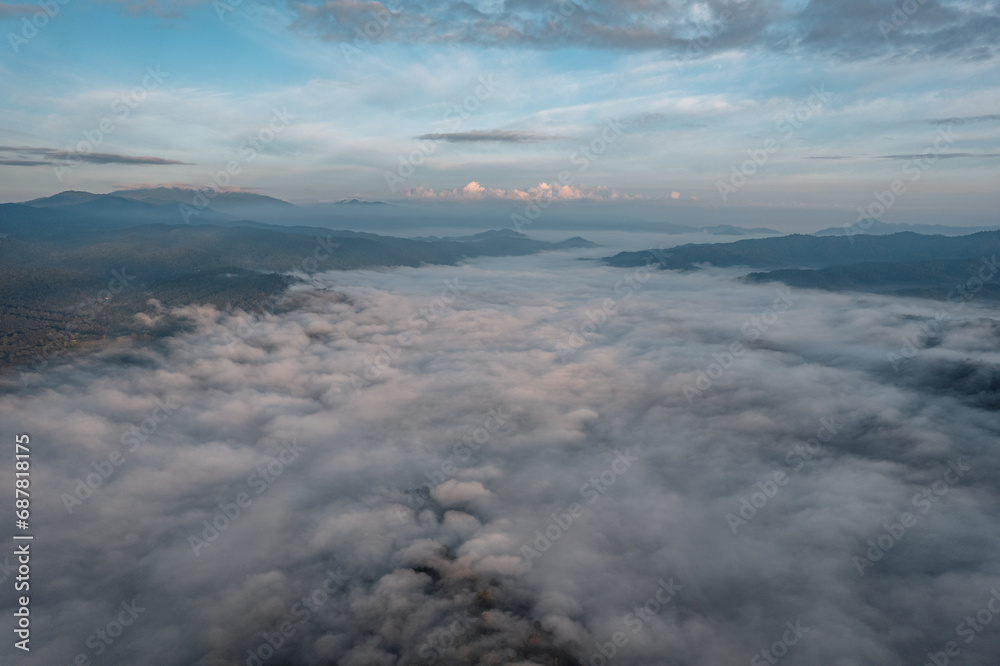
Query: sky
(727, 105)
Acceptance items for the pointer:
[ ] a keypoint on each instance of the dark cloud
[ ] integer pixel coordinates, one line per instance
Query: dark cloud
(683, 29)
(492, 136)
(963, 121)
(944, 156)
(545, 25)
(585, 364)
(686, 29)
(869, 28)
(57, 157)
(8, 9)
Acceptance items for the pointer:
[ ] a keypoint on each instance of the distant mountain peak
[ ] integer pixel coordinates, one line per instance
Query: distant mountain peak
(67, 198)
(492, 234)
(730, 230)
(873, 227)
(359, 202)
(174, 194)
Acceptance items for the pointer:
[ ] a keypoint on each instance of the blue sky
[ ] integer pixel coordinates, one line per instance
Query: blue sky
(676, 117)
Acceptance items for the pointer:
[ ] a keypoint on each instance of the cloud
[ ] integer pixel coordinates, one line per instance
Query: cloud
(683, 29)
(967, 119)
(654, 117)
(687, 29)
(184, 187)
(476, 192)
(55, 157)
(944, 156)
(646, 119)
(26, 163)
(8, 9)
(454, 493)
(378, 493)
(492, 136)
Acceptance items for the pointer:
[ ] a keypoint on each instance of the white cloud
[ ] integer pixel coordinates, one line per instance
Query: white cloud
(356, 498)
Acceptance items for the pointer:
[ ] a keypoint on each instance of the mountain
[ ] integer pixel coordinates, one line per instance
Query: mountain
(78, 273)
(730, 230)
(219, 200)
(358, 202)
(484, 235)
(800, 251)
(168, 205)
(81, 212)
(877, 228)
(238, 205)
(940, 279)
(904, 263)
(67, 198)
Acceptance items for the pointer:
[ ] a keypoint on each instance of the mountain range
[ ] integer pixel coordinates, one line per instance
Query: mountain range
(871, 227)
(78, 267)
(904, 263)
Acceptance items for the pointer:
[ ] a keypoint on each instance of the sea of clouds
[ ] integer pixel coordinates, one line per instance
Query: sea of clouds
(532, 460)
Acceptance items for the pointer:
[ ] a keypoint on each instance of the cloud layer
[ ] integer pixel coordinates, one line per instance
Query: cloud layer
(519, 459)
(492, 136)
(24, 156)
(544, 191)
(855, 29)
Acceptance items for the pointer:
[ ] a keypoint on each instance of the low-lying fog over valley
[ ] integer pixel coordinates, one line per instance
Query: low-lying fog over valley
(536, 459)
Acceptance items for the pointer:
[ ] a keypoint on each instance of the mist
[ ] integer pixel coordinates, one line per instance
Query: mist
(522, 460)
